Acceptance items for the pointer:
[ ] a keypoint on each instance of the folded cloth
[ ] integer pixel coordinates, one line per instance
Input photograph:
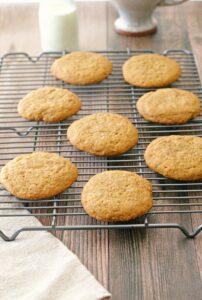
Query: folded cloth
(37, 266)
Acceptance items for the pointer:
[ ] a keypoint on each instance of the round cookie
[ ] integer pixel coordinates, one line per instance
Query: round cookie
(103, 134)
(117, 196)
(168, 106)
(38, 175)
(82, 68)
(49, 104)
(176, 157)
(151, 70)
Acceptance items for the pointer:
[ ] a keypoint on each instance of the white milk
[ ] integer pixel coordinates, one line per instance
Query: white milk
(58, 25)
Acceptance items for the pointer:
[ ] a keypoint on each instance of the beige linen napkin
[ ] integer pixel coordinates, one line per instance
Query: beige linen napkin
(37, 266)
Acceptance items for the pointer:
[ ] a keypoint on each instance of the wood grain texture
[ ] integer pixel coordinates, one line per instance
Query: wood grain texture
(157, 264)
(91, 246)
(92, 37)
(195, 36)
(19, 28)
(134, 264)
(171, 30)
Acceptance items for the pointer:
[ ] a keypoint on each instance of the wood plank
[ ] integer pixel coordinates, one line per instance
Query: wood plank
(154, 264)
(19, 28)
(194, 28)
(92, 26)
(157, 264)
(170, 34)
(22, 21)
(91, 246)
(16, 24)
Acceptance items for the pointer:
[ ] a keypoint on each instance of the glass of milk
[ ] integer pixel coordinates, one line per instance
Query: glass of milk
(58, 25)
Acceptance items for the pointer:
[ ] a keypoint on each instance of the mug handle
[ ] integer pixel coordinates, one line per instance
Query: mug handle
(171, 2)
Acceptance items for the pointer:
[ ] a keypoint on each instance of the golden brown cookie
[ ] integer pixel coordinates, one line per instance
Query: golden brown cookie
(168, 106)
(151, 70)
(117, 196)
(82, 68)
(176, 157)
(103, 134)
(49, 104)
(38, 175)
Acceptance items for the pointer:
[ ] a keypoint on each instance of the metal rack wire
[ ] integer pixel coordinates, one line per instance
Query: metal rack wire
(176, 204)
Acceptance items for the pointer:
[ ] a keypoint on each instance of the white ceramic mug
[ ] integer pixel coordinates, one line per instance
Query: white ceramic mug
(136, 15)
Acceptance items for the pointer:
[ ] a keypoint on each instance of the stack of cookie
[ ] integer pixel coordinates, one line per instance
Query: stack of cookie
(111, 195)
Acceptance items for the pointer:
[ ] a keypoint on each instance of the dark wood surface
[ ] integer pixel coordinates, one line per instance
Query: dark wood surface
(158, 264)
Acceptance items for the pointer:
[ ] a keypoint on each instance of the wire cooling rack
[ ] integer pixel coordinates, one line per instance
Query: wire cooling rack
(176, 204)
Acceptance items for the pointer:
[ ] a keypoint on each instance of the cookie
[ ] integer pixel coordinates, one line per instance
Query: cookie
(117, 196)
(168, 106)
(49, 104)
(103, 134)
(176, 156)
(38, 175)
(82, 68)
(151, 70)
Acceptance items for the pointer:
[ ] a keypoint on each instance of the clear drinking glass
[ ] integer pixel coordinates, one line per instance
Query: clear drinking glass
(58, 23)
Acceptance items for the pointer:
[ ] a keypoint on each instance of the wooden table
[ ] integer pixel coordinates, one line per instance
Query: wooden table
(134, 265)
